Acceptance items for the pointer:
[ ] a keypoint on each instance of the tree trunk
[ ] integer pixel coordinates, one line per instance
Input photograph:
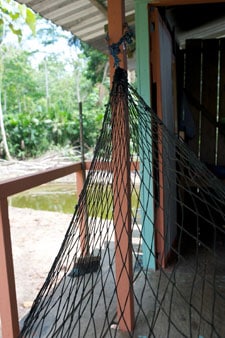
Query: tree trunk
(4, 139)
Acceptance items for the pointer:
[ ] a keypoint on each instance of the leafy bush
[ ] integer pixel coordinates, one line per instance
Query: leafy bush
(32, 134)
(27, 135)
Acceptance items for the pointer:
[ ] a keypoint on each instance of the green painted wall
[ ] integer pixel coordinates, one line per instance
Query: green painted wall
(142, 49)
(143, 83)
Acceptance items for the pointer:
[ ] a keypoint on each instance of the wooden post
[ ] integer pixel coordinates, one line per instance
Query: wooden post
(122, 214)
(121, 182)
(116, 18)
(8, 302)
(84, 235)
(84, 231)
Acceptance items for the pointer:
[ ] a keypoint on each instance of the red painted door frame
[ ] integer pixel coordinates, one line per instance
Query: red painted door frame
(156, 78)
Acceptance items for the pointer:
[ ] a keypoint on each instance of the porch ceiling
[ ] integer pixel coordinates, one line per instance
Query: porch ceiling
(87, 19)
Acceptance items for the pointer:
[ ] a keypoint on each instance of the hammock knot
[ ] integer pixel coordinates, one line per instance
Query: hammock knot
(126, 39)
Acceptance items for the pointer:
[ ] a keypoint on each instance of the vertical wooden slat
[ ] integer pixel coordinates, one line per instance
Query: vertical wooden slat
(221, 136)
(8, 303)
(209, 100)
(193, 84)
(180, 60)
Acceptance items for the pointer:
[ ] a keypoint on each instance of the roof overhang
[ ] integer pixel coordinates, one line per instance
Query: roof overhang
(88, 19)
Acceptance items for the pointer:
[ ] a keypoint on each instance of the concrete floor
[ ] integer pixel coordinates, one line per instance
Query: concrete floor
(185, 300)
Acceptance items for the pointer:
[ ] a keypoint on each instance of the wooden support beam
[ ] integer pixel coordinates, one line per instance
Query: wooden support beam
(8, 303)
(116, 23)
(121, 181)
(122, 214)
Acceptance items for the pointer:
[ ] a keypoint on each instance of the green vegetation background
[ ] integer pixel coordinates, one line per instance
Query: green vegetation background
(40, 95)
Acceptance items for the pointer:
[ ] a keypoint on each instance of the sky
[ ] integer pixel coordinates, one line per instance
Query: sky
(42, 49)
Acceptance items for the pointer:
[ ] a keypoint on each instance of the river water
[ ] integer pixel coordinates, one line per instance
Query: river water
(53, 196)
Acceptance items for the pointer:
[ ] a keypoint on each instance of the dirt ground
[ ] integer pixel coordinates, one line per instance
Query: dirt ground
(36, 238)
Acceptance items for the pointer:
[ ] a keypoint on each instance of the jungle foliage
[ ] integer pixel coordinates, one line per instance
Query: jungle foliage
(40, 96)
(40, 105)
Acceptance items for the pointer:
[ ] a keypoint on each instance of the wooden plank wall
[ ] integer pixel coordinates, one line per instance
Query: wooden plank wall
(193, 85)
(221, 136)
(209, 100)
(205, 85)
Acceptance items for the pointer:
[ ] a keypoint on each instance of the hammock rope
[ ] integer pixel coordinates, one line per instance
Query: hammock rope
(126, 40)
(177, 279)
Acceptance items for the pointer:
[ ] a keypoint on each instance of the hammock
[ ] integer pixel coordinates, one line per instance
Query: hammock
(144, 253)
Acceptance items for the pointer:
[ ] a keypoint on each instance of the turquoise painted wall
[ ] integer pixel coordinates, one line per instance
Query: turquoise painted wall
(143, 83)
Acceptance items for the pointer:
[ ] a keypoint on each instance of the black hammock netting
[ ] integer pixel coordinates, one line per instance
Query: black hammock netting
(144, 253)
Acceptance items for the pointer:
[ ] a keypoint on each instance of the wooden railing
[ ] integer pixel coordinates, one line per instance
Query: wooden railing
(8, 301)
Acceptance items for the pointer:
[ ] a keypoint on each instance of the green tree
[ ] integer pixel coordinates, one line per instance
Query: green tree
(44, 98)
(12, 17)
(19, 80)
(97, 62)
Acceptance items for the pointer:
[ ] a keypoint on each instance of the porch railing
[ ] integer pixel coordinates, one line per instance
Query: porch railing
(8, 301)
